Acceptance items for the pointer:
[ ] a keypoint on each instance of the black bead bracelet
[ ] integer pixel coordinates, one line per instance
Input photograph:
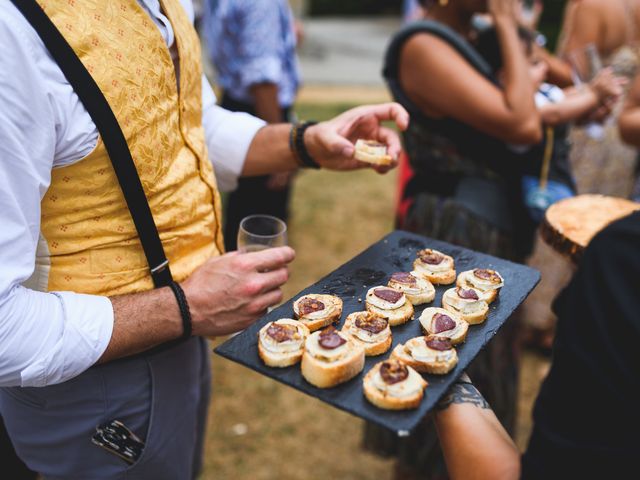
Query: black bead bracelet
(185, 313)
(298, 147)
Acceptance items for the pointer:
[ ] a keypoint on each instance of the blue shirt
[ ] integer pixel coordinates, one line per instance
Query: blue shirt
(251, 42)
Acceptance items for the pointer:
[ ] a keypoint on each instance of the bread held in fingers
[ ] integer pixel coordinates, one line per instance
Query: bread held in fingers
(372, 151)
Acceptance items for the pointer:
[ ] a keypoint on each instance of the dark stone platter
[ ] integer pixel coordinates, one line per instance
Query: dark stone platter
(395, 252)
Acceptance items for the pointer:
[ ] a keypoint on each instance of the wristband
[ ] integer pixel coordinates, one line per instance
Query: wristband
(185, 313)
(298, 147)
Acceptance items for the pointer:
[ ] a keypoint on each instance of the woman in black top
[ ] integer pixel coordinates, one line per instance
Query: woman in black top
(586, 417)
(466, 188)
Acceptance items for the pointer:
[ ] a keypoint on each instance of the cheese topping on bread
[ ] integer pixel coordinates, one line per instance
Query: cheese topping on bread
(483, 279)
(434, 261)
(313, 346)
(314, 307)
(408, 386)
(370, 328)
(282, 336)
(385, 298)
(420, 351)
(469, 305)
(409, 284)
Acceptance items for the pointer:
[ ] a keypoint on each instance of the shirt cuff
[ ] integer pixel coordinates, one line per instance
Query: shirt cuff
(261, 70)
(88, 326)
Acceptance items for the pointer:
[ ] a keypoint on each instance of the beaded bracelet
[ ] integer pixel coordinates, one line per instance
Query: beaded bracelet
(298, 147)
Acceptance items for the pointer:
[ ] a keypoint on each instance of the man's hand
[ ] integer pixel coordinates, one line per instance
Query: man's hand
(230, 292)
(331, 143)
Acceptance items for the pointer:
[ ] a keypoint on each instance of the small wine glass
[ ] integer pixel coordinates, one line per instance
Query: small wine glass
(586, 63)
(259, 232)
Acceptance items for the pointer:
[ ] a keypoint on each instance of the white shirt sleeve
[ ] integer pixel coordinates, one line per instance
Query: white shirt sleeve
(45, 338)
(228, 136)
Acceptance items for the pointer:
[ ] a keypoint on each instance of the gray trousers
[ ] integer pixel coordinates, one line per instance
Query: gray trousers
(162, 397)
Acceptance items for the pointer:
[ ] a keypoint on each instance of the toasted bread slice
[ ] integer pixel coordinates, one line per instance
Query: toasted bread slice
(401, 353)
(315, 320)
(375, 343)
(416, 288)
(472, 318)
(487, 293)
(457, 334)
(273, 358)
(384, 398)
(325, 374)
(373, 152)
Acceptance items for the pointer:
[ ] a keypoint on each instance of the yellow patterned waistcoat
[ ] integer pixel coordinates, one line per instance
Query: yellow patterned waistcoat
(89, 243)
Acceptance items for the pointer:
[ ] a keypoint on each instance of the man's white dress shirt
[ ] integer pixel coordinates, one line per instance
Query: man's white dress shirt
(47, 338)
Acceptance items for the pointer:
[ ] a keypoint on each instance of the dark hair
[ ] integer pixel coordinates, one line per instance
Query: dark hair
(489, 47)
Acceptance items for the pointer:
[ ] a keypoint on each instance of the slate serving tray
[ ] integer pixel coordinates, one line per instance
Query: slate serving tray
(373, 267)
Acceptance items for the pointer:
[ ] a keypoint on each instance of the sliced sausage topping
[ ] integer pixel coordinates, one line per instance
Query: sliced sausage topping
(393, 371)
(281, 333)
(467, 293)
(438, 343)
(371, 323)
(330, 339)
(442, 323)
(310, 305)
(388, 294)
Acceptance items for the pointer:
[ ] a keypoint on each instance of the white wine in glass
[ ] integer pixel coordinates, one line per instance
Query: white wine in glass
(259, 232)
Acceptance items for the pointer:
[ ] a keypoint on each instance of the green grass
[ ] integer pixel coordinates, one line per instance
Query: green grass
(334, 216)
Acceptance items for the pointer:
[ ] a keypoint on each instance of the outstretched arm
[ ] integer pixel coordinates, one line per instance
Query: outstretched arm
(580, 103)
(474, 443)
(443, 84)
(330, 143)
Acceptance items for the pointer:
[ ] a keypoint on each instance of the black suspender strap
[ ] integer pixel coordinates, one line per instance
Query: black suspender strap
(114, 141)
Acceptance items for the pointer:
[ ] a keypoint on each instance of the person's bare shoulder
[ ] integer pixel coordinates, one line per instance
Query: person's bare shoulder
(427, 65)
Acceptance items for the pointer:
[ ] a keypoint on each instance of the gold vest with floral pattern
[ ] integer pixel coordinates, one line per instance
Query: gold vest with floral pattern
(88, 240)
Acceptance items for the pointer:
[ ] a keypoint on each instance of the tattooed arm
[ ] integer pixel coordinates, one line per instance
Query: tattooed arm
(475, 444)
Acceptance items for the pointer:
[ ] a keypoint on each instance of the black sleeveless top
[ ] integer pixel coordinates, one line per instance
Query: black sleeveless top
(446, 145)
(444, 151)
